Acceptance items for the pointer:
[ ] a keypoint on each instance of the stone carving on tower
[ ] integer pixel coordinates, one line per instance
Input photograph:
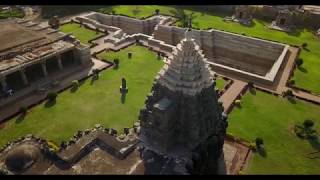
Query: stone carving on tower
(182, 125)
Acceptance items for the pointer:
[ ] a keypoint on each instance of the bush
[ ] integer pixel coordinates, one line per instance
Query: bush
(304, 45)
(23, 109)
(237, 102)
(299, 62)
(157, 11)
(250, 84)
(52, 96)
(129, 55)
(52, 146)
(288, 93)
(308, 123)
(259, 142)
(116, 62)
(75, 83)
(292, 82)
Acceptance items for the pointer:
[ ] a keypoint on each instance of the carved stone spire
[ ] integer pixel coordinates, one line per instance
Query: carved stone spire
(186, 69)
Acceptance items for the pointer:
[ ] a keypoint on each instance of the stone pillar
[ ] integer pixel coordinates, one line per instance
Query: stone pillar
(3, 82)
(24, 77)
(59, 62)
(44, 68)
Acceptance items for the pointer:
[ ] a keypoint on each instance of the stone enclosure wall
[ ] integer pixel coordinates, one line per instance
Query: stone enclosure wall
(251, 57)
(236, 51)
(127, 24)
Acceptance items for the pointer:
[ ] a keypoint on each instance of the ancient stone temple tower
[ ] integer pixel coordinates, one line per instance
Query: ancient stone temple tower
(182, 125)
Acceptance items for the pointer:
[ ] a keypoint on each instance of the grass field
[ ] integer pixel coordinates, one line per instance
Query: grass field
(97, 103)
(220, 83)
(273, 118)
(12, 13)
(308, 78)
(81, 33)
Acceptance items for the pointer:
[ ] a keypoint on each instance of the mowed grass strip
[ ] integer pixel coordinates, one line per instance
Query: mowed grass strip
(81, 33)
(272, 119)
(97, 103)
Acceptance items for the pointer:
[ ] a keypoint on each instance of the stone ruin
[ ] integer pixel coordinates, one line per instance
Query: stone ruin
(318, 32)
(283, 21)
(182, 123)
(242, 15)
(54, 22)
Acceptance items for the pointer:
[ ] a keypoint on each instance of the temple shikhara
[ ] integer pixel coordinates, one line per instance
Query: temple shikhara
(183, 121)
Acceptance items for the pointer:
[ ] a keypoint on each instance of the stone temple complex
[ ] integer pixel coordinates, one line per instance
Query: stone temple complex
(183, 121)
(32, 57)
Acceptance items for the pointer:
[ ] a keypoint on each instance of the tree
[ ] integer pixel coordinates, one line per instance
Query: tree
(250, 84)
(116, 62)
(23, 110)
(182, 16)
(308, 123)
(299, 62)
(52, 96)
(288, 92)
(157, 11)
(75, 84)
(304, 45)
(259, 142)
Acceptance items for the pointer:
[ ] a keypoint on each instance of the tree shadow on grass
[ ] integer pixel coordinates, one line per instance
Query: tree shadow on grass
(49, 104)
(292, 100)
(20, 118)
(74, 89)
(252, 91)
(262, 152)
(302, 69)
(123, 97)
(93, 79)
(295, 32)
(315, 143)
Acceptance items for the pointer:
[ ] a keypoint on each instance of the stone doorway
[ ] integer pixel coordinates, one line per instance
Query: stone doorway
(52, 65)
(14, 81)
(240, 15)
(34, 72)
(282, 21)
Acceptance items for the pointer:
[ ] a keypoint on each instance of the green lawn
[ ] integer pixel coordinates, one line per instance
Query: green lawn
(308, 79)
(12, 13)
(273, 118)
(139, 11)
(99, 103)
(81, 33)
(220, 83)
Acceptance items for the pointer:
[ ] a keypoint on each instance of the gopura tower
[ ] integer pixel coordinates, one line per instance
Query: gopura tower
(183, 125)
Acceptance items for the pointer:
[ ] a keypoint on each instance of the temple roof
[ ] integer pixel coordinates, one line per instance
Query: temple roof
(186, 69)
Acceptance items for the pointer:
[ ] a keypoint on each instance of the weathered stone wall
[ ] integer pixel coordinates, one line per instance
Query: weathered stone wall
(250, 54)
(128, 25)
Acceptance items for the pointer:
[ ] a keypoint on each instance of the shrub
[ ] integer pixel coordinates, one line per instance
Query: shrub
(75, 83)
(23, 110)
(52, 146)
(129, 55)
(113, 12)
(250, 84)
(308, 123)
(116, 62)
(157, 11)
(288, 93)
(253, 146)
(299, 62)
(292, 82)
(304, 45)
(259, 142)
(237, 102)
(52, 96)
